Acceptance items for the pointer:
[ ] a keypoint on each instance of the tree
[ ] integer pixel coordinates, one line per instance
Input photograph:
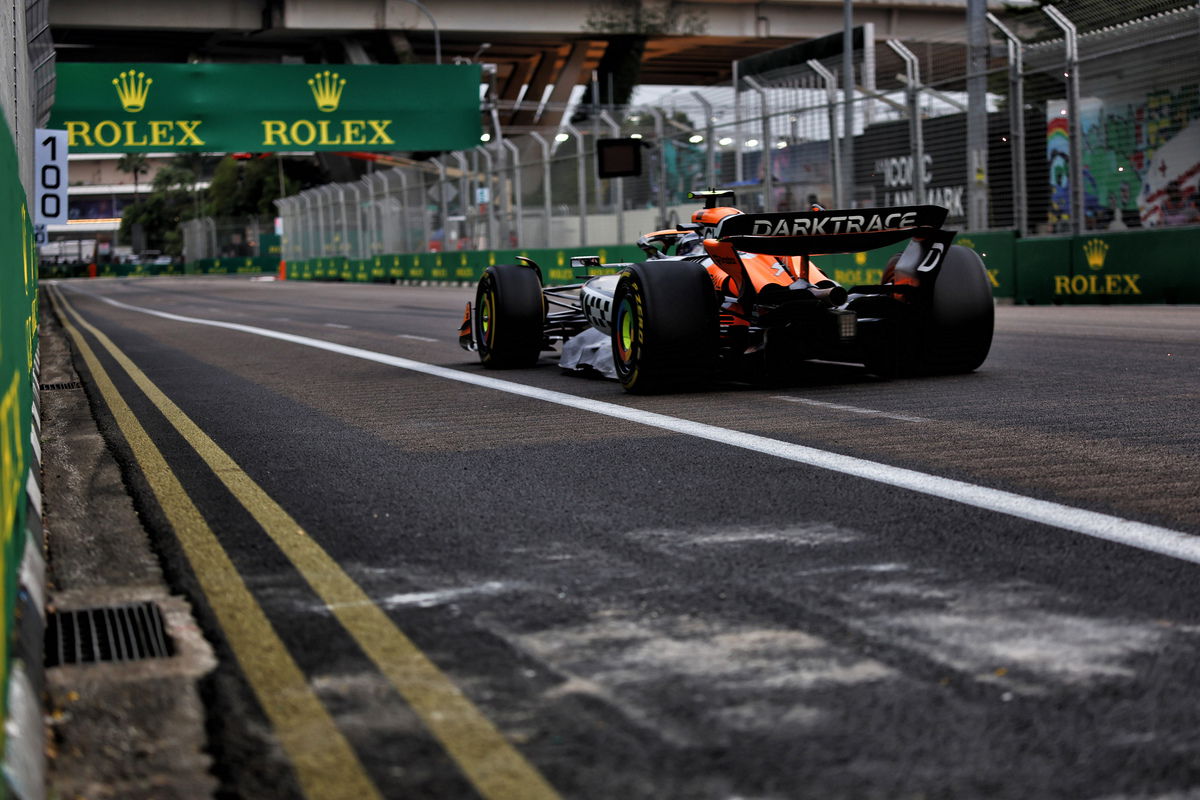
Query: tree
(134, 164)
(174, 197)
(249, 187)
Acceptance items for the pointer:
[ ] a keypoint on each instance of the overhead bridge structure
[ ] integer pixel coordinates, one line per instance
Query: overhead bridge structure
(540, 50)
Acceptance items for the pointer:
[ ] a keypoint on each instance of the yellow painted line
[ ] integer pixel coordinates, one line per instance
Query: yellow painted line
(325, 764)
(497, 770)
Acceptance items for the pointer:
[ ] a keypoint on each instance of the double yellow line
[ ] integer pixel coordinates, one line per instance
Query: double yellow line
(326, 766)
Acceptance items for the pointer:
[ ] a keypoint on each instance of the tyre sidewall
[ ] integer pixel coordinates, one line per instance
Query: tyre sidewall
(956, 333)
(511, 298)
(670, 342)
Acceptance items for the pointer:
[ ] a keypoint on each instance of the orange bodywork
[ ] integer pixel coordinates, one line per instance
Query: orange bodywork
(730, 268)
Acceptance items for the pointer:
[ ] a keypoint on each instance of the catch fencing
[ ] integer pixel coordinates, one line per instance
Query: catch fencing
(1086, 115)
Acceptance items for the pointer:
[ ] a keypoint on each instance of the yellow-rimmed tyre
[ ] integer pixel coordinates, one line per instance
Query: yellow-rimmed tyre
(665, 329)
(510, 316)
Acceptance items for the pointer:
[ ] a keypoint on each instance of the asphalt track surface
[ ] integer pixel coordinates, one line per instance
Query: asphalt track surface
(595, 605)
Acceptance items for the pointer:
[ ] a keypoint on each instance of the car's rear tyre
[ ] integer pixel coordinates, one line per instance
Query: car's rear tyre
(947, 332)
(510, 316)
(956, 335)
(665, 330)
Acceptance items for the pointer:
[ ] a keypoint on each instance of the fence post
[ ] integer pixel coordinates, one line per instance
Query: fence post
(385, 176)
(312, 231)
(466, 198)
(341, 193)
(581, 172)
(835, 145)
(977, 121)
(768, 181)
(659, 138)
(518, 218)
(445, 206)
(618, 183)
(491, 194)
(325, 210)
(737, 125)
(357, 248)
(847, 143)
(374, 245)
(709, 145)
(912, 71)
(1016, 123)
(1075, 124)
(541, 140)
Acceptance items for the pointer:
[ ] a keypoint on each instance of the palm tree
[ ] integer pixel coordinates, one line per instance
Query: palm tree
(134, 163)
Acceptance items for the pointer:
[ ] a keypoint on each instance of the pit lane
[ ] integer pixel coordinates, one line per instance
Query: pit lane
(644, 612)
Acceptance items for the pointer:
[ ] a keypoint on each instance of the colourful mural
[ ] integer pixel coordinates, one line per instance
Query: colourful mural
(1141, 161)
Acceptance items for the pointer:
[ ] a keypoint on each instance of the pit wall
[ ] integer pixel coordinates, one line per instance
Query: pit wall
(1150, 266)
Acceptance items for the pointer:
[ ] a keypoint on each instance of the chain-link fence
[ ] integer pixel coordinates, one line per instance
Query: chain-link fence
(1075, 117)
(220, 237)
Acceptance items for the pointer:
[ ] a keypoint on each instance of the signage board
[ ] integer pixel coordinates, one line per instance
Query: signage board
(50, 178)
(115, 108)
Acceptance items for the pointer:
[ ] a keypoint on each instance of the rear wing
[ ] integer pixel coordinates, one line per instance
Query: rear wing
(796, 233)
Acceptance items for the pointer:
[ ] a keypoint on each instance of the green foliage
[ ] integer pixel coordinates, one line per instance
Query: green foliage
(173, 198)
(250, 187)
(237, 188)
(134, 164)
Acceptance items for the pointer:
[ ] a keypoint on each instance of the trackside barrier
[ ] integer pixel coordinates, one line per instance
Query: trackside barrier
(209, 266)
(996, 248)
(22, 569)
(1118, 268)
(465, 266)
(1128, 267)
(239, 265)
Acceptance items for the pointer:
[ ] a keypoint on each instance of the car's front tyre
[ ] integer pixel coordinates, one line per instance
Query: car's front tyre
(510, 316)
(664, 328)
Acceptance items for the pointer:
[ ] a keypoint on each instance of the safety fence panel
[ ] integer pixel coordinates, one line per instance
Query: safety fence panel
(1112, 106)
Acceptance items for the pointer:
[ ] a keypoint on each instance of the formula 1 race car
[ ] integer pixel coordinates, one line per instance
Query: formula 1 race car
(737, 295)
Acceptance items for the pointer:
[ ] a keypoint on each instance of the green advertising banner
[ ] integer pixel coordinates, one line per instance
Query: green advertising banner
(121, 108)
(18, 335)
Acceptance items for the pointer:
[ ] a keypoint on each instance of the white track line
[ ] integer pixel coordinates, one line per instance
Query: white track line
(414, 337)
(852, 409)
(1091, 523)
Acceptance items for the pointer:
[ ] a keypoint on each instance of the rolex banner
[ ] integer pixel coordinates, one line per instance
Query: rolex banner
(120, 108)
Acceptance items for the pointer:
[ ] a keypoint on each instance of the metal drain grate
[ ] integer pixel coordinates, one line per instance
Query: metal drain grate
(111, 633)
(52, 387)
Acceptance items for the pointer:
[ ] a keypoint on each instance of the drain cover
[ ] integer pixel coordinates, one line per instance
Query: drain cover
(51, 387)
(110, 633)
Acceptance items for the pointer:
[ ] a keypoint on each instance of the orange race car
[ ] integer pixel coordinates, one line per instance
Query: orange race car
(737, 295)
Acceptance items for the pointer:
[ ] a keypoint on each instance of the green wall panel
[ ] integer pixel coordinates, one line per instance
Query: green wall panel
(1131, 267)
(18, 341)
